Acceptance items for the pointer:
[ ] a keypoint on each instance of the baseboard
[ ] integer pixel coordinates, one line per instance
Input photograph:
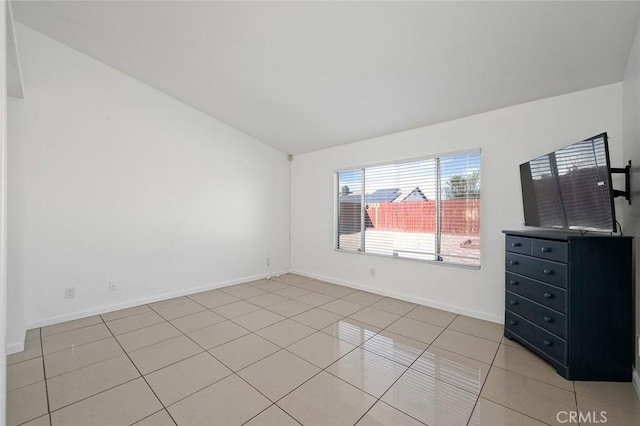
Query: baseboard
(427, 302)
(636, 383)
(14, 348)
(142, 301)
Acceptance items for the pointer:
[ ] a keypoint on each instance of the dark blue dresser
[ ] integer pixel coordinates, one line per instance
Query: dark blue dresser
(569, 299)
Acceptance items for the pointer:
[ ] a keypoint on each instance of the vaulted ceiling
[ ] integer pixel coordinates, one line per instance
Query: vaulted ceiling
(303, 76)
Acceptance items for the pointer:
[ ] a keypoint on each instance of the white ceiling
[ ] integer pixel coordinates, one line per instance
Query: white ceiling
(303, 76)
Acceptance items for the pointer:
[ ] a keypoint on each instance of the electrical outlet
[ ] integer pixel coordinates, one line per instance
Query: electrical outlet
(268, 262)
(69, 292)
(113, 287)
(372, 271)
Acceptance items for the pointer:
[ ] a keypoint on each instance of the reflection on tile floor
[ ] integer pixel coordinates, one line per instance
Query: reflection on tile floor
(293, 350)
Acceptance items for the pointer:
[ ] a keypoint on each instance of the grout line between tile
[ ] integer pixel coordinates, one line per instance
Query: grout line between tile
(46, 384)
(321, 370)
(324, 370)
(373, 334)
(221, 362)
(405, 371)
(71, 329)
(510, 409)
(28, 384)
(534, 379)
(241, 378)
(173, 363)
(142, 376)
(153, 414)
(233, 373)
(36, 418)
(380, 401)
(492, 366)
(292, 300)
(152, 325)
(472, 335)
(87, 397)
(278, 407)
(84, 366)
(431, 323)
(573, 387)
(181, 316)
(92, 395)
(102, 321)
(483, 383)
(125, 316)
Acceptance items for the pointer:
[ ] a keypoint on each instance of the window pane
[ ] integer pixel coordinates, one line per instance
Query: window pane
(424, 209)
(400, 207)
(349, 210)
(460, 209)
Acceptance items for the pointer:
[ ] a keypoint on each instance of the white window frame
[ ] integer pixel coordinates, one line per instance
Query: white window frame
(438, 223)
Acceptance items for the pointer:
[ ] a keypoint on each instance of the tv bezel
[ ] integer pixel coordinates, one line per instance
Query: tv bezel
(610, 190)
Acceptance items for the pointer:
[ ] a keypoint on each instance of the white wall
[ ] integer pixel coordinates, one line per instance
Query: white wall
(3, 215)
(15, 289)
(507, 138)
(631, 151)
(123, 183)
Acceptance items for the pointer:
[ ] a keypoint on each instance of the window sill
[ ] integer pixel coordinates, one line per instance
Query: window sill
(431, 262)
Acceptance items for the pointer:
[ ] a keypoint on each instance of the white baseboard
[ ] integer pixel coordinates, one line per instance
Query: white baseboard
(144, 300)
(636, 383)
(14, 348)
(427, 302)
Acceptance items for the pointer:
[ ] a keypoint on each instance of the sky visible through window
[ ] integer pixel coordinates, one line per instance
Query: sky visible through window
(422, 171)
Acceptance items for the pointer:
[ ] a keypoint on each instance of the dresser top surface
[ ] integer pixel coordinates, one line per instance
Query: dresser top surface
(561, 235)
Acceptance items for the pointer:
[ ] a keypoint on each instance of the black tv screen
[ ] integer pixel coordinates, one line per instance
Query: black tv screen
(570, 188)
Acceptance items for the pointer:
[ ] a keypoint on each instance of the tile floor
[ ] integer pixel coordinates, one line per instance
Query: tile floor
(292, 351)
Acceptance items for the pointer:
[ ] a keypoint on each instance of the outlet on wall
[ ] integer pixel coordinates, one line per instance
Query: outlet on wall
(113, 287)
(69, 292)
(268, 262)
(372, 271)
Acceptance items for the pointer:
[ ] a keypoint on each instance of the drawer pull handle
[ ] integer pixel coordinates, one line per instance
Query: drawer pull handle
(513, 322)
(548, 295)
(513, 302)
(548, 319)
(548, 271)
(548, 343)
(515, 244)
(513, 282)
(545, 249)
(513, 262)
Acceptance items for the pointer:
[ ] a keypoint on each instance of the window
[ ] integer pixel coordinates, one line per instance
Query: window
(425, 209)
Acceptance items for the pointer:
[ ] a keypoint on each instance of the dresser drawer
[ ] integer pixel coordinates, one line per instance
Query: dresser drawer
(542, 270)
(551, 250)
(544, 341)
(546, 318)
(520, 245)
(545, 294)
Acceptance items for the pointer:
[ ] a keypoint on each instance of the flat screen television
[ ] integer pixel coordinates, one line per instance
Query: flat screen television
(570, 188)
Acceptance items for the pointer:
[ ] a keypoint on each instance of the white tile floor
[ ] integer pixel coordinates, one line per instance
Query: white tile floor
(292, 351)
